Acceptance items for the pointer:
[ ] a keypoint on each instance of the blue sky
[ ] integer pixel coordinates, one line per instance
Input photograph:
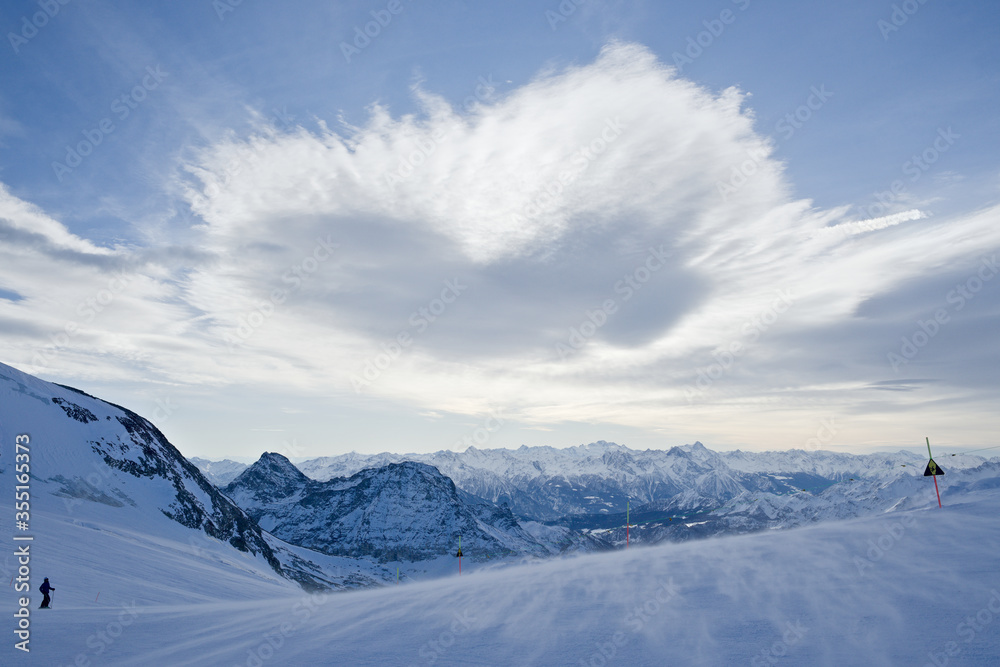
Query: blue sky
(777, 198)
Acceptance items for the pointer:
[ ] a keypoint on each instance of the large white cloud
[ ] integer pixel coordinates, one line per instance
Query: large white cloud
(616, 182)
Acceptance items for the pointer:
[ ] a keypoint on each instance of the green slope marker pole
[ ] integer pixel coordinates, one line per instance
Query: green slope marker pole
(626, 523)
(929, 455)
(460, 555)
(397, 575)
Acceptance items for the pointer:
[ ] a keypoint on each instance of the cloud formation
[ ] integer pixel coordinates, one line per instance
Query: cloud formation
(564, 250)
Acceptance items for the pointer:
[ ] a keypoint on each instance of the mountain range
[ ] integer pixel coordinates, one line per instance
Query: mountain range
(405, 511)
(337, 522)
(677, 493)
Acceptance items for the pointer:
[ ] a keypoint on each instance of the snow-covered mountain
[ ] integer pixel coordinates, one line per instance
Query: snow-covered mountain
(753, 512)
(837, 466)
(547, 484)
(90, 458)
(543, 483)
(404, 511)
(676, 494)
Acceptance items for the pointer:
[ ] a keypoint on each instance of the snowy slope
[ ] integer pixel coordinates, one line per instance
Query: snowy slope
(398, 512)
(90, 457)
(893, 589)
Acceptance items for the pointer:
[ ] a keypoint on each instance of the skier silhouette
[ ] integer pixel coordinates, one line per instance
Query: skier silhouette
(45, 588)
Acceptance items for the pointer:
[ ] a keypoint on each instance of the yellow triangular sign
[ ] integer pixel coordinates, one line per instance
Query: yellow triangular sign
(933, 469)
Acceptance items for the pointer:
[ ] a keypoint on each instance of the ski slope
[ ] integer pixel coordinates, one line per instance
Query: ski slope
(892, 589)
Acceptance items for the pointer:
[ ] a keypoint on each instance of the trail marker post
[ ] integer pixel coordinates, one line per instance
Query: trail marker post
(459, 554)
(627, 523)
(933, 470)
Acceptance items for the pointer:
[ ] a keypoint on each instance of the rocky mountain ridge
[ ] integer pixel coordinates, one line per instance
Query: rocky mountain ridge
(405, 511)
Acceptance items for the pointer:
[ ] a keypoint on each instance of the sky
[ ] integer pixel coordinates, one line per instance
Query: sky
(407, 226)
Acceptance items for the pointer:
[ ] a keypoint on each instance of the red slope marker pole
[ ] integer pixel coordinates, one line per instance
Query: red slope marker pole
(934, 476)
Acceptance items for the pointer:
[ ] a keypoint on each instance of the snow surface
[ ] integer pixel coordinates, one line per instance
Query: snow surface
(883, 590)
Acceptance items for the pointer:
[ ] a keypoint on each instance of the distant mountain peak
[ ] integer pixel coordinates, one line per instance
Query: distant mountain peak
(271, 477)
(399, 510)
(278, 464)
